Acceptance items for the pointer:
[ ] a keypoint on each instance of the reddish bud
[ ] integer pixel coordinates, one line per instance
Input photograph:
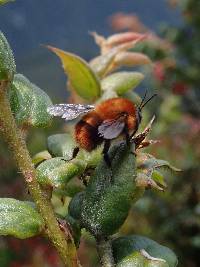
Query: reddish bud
(159, 71)
(179, 88)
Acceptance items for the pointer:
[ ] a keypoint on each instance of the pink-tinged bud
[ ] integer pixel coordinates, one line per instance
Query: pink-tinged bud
(99, 39)
(123, 41)
(120, 44)
(106, 62)
(130, 59)
(124, 37)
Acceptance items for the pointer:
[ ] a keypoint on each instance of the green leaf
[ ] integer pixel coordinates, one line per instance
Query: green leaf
(56, 172)
(2, 2)
(149, 171)
(19, 219)
(125, 246)
(41, 156)
(107, 95)
(82, 78)
(74, 208)
(158, 178)
(91, 158)
(141, 259)
(29, 103)
(7, 61)
(108, 195)
(122, 82)
(148, 162)
(61, 145)
(145, 181)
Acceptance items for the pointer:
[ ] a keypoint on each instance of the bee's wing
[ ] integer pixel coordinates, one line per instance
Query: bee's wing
(110, 129)
(69, 111)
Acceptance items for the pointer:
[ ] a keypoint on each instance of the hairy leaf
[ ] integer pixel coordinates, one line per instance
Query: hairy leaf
(7, 62)
(108, 195)
(57, 172)
(29, 103)
(19, 219)
(41, 156)
(75, 205)
(141, 259)
(61, 145)
(125, 246)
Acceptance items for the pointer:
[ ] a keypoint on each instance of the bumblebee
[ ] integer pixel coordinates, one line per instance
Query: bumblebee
(102, 123)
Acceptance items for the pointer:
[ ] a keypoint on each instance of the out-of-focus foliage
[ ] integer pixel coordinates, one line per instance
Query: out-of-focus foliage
(176, 76)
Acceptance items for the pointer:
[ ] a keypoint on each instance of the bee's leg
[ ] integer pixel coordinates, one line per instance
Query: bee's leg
(75, 152)
(107, 158)
(86, 175)
(127, 136)
(105, 152)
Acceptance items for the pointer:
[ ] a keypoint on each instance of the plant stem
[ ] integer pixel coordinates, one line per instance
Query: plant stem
(13, 137)
(105, 253)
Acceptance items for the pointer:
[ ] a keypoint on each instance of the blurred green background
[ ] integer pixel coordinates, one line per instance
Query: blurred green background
(171, 218)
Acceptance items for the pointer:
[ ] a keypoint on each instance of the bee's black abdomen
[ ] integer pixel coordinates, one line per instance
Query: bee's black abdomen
(87, 135)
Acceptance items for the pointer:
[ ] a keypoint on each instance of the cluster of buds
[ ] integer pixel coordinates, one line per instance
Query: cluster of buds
(115, 52)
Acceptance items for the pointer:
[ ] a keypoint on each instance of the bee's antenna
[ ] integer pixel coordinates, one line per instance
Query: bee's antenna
(143, 99)
(144, 103)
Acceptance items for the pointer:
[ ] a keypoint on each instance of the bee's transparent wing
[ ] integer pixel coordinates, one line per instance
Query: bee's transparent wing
(110, 129)
(69, 111)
